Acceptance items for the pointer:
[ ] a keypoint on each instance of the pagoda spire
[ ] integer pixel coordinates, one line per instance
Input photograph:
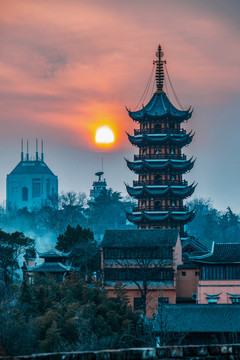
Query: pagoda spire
(159, 69)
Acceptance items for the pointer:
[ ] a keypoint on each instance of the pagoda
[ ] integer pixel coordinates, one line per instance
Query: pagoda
(160, 165)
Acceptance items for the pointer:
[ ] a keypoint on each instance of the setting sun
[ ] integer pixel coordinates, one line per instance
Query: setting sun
(104, 135)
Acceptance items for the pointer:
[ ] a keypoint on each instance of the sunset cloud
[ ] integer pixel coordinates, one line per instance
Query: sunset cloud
(67, 67)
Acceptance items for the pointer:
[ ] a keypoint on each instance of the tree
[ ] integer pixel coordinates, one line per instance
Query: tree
(12, 246)
(147, 266)
(106, 211)
(85, 253)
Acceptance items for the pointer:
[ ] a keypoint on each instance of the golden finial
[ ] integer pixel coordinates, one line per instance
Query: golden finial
(159, 69)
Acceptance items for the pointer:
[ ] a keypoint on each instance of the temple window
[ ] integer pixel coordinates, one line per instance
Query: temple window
(172, 152)
(212, 298)
(157, 205)
(163, 300)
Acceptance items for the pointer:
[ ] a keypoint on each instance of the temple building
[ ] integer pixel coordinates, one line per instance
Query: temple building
(31, 183)
(160, 189)
(55, 264)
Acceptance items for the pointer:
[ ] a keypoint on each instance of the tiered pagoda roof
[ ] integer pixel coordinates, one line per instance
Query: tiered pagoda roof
(182, 166)
(182, 217)
(160, 189)
(160, 139)
(160, 107)
(180, 191)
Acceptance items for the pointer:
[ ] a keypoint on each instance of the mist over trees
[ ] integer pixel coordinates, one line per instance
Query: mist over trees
(211, 225)
(71, 208)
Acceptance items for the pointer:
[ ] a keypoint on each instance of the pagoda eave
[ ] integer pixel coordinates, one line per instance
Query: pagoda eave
(182, 166)
(160, 139)
(181, 218)
(181, 192)
(167, 116)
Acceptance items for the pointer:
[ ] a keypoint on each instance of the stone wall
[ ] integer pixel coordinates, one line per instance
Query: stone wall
(218, 352)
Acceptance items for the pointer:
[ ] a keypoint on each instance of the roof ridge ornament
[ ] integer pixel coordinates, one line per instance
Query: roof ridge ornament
(159, 69)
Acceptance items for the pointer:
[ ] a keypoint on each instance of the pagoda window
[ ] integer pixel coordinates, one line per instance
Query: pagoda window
(158, 178)
(157, 205)
(172, 152)
(144, 178)
(144, 126)
(173, 203)
(158, 151)
(173, 178)
(24, 193)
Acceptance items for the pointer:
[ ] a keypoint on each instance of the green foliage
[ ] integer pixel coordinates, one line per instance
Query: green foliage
(211, 225)
(11, 247)
(85, 253)
(107, 211)
(64, 316)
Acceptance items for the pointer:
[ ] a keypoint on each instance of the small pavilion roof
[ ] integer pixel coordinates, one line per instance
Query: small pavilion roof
(140, 237)
(159, 139)
(180, 191)
(31, 167)
(53, 253)
(181, 166)
(224, 253)
(160, 107)
(51, 267)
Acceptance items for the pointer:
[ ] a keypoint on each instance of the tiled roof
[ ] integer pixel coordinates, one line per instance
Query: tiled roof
(140, 237)
(199, 318)
(160, 106)
(220, 253)
(31, 167)
(53, 253)
(49, 267)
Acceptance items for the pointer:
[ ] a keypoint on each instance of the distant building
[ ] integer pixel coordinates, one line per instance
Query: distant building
(98, 186)
(219, 274)
(55, 264)
(142, 257)
(31, 183)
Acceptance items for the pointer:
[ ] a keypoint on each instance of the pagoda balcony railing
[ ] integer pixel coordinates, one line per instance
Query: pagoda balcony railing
(159, 131)
(160, 156)
(160, 182)
(159, 208)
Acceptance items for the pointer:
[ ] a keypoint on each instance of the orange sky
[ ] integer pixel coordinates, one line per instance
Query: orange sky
(67, 67)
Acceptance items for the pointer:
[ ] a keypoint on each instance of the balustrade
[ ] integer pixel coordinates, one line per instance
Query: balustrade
(160, 182)
(159, 208)
(160, 156)
(159, 131)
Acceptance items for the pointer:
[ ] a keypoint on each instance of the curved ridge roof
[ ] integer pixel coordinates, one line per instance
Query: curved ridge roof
(161, 216)
(180, 165)
(181, 191)
(160, 106)
(175, 139)
(31, 167)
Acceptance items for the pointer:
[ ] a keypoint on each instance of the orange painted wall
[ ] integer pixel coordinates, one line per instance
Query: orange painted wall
(186, 285)
(152, 297)
(216, 287)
